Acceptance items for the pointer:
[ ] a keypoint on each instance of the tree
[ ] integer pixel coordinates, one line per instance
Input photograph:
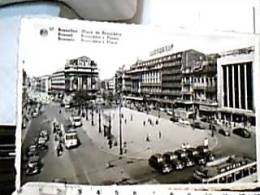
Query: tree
(81, 97)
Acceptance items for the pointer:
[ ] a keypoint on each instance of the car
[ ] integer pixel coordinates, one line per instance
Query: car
(184, 122)
(224, 132)
(76, 121)
(194, 154)
(242, 132)
(169, 112)
(174, 119)
(35, 114)
(202, 149)
(197, 125)
(157, 162)
(181, 153)
(33, 165)
(189, 162)
(209, 156)
(32, 150)
(44, 134)
(172, 159)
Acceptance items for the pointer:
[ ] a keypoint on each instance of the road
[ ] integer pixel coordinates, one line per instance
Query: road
(87, 164)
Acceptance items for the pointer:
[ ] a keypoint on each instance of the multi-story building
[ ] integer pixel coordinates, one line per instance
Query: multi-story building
(160, 80)
(235, 87)
(78, 74)
(42, 84)
(57, 81)
(204, 87)
(81, 74)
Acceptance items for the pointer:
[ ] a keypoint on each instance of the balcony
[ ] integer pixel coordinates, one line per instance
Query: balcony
(150, 84)
(171, 78)
(186, 92)
(173, 93)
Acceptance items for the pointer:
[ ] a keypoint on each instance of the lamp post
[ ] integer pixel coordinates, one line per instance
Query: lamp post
(92, 115)
(99, 121)
(120, 127)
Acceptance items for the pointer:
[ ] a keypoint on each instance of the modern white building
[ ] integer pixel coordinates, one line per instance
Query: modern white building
(235, 86)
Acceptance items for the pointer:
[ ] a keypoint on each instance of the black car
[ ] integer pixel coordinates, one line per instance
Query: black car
(157, 162)
(224, 132)
(172, 159)
(33, 165)
(242, 132)
(174, 119)
(194, 154)
(181, 153)
(197, 125)
(203, 149)
(187, 161)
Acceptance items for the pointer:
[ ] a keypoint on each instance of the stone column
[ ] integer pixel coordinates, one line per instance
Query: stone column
(245, 80)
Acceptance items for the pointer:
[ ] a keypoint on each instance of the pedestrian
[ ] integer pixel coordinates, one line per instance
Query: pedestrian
(58, 150)
(147, 138)
(144, 123)
(131, 117)
(160, 134)
(125, 120)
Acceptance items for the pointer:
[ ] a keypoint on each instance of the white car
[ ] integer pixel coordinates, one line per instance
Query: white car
(184, 122)
(76, 121)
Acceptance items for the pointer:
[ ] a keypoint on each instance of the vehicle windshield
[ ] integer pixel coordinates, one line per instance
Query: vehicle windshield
(76, 119)
(71, 136)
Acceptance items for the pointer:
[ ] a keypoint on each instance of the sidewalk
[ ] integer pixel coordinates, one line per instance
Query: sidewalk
(134, 133)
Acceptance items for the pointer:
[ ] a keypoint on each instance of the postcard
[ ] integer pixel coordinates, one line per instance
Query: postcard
(114, 104)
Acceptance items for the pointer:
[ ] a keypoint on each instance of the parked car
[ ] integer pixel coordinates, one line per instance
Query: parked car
(197, 125)
(32, 150)
(184, 122)
(181, 153)
(174, 119)
(157, 162)
(172, 159)
(33, 165)
(242, 132)
(189, 162)
(196, 156)
(224, 132)
(203, 149)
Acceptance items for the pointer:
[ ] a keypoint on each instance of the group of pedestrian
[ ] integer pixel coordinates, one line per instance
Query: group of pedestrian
(150, 121)
(58, 138)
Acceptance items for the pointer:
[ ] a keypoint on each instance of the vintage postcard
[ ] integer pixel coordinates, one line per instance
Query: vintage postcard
(105, 104)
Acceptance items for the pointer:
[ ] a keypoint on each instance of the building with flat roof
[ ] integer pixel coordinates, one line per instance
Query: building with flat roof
(235, 86)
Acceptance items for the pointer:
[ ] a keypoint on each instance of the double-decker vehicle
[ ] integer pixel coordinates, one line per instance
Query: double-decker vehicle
(229, 171)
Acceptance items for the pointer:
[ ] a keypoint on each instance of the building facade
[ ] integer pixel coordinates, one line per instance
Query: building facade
(78, 74)
(235, 87)
(42, 84)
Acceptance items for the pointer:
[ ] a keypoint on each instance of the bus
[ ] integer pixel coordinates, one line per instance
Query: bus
(233, 170)
(70, 138)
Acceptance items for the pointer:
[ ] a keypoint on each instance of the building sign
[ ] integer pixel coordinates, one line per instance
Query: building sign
(161, 50)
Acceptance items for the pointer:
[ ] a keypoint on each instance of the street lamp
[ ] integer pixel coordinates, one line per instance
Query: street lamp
(120, 126)
(99, 121)
(92, 115)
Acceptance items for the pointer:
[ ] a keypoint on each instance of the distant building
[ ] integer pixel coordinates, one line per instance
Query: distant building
(57, 82)
(235, 86)
(42, 84)
(78, 74)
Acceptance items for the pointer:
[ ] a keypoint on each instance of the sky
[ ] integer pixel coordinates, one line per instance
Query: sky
(42, 55)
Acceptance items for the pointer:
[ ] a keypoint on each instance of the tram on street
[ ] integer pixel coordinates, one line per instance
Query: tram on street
(231, 171)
